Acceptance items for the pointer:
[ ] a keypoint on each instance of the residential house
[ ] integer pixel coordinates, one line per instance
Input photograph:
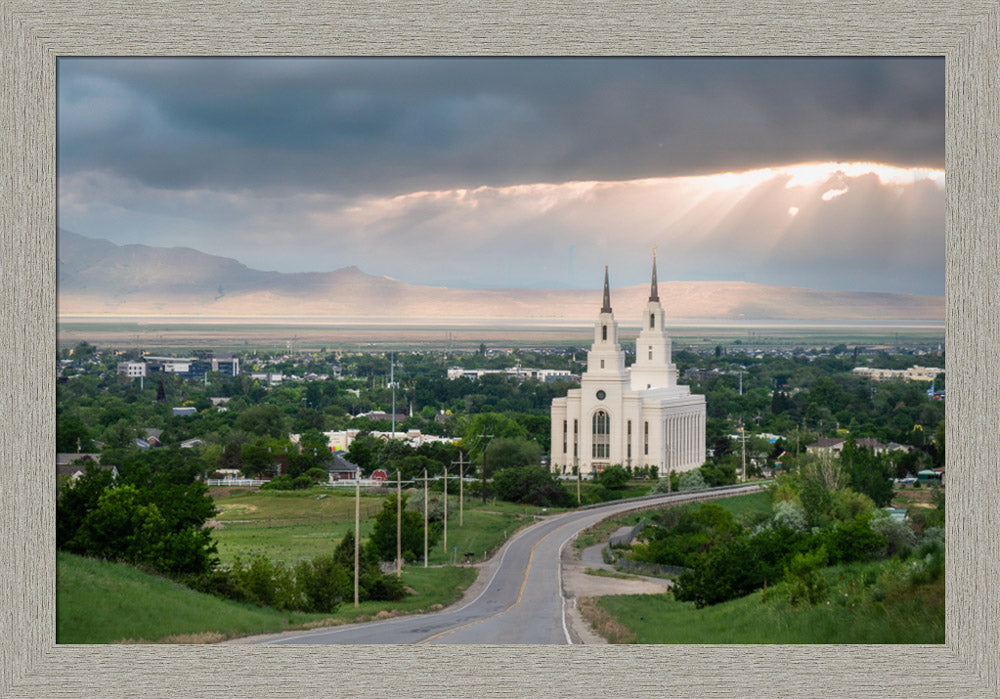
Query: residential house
(75, 465)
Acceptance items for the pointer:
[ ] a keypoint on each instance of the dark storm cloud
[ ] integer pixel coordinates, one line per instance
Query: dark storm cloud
(379, 126)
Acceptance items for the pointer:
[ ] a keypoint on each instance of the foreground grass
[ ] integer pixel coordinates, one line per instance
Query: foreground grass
(915, 616)
(101, 602)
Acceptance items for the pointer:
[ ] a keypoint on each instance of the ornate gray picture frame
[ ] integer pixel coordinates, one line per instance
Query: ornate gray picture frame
(33, 35)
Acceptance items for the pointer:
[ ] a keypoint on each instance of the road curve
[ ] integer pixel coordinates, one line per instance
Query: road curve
(522, 602)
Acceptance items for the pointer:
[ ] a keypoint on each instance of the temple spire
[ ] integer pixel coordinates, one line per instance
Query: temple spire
(606, 308)
(654, 294)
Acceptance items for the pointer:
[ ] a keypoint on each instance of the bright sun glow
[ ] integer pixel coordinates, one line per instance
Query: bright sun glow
(549, 194)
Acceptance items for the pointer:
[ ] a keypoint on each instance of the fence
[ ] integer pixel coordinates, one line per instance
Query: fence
(234, 481)
(657, 570)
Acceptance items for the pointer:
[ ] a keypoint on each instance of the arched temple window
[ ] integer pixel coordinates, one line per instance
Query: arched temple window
(602, 435)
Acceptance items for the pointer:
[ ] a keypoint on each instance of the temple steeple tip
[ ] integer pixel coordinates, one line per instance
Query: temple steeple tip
(606, 308)
(654, 294)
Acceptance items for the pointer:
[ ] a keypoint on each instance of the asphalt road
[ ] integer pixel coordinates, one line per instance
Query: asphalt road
(522, 602)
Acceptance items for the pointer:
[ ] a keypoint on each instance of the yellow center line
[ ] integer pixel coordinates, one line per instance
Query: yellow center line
(516, 602)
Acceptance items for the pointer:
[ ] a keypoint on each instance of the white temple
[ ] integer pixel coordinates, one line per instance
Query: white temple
(639, 416)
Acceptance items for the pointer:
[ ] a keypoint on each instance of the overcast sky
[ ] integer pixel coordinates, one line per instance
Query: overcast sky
(518, 172)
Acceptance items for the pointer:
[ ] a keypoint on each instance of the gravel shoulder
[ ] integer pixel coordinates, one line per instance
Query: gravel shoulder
(577, 584)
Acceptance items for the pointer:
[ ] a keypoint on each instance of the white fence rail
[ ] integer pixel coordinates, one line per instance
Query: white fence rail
(234, 481)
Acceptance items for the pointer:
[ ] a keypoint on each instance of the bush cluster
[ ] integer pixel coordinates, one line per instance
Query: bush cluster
(317, 585)
(532, 485)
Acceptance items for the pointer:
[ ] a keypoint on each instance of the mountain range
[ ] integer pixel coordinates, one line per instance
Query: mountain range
(99, 279)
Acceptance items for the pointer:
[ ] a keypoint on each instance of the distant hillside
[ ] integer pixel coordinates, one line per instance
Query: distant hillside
(99, 278)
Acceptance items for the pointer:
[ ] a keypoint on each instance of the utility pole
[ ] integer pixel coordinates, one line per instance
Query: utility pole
(578, 500)
(484, 463)
(399, 525)
(392, 382)
(446, 511)
(357, 530)
(461, 490)
(425, 518)
(743, 444)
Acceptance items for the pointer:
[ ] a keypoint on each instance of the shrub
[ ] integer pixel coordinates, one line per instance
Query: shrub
(264, 583)
(716, 474)
(791, 515)
(803, 578)
(532, 485)
(898, 535)
(372, 583)
(853, 541)
(691, 480)
(663, 485)
(322, 584)
(287, 482)
(595, 494)
(316, 475)
(614, 477)
(724, 573)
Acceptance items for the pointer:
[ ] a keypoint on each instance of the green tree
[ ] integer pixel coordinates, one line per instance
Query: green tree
(263, 420)
(120, 435)
(506, 453)
(939, 444)
(383, 536)
(72, 436)
(84, 350)
(867, 472)
(496, 424)
(153, 513)
(77, 499)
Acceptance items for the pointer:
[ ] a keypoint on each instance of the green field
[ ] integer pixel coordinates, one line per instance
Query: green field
(100, 602)
(913, 616)
(291, 525)
(287, 526)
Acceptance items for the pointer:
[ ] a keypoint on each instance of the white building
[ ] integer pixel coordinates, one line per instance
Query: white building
(341, 440)
(639, 416)
(132, 369)
(914, 373)
(518, 372)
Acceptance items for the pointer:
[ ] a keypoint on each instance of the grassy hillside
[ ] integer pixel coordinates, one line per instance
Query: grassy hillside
(101, 602)
(848, 615)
